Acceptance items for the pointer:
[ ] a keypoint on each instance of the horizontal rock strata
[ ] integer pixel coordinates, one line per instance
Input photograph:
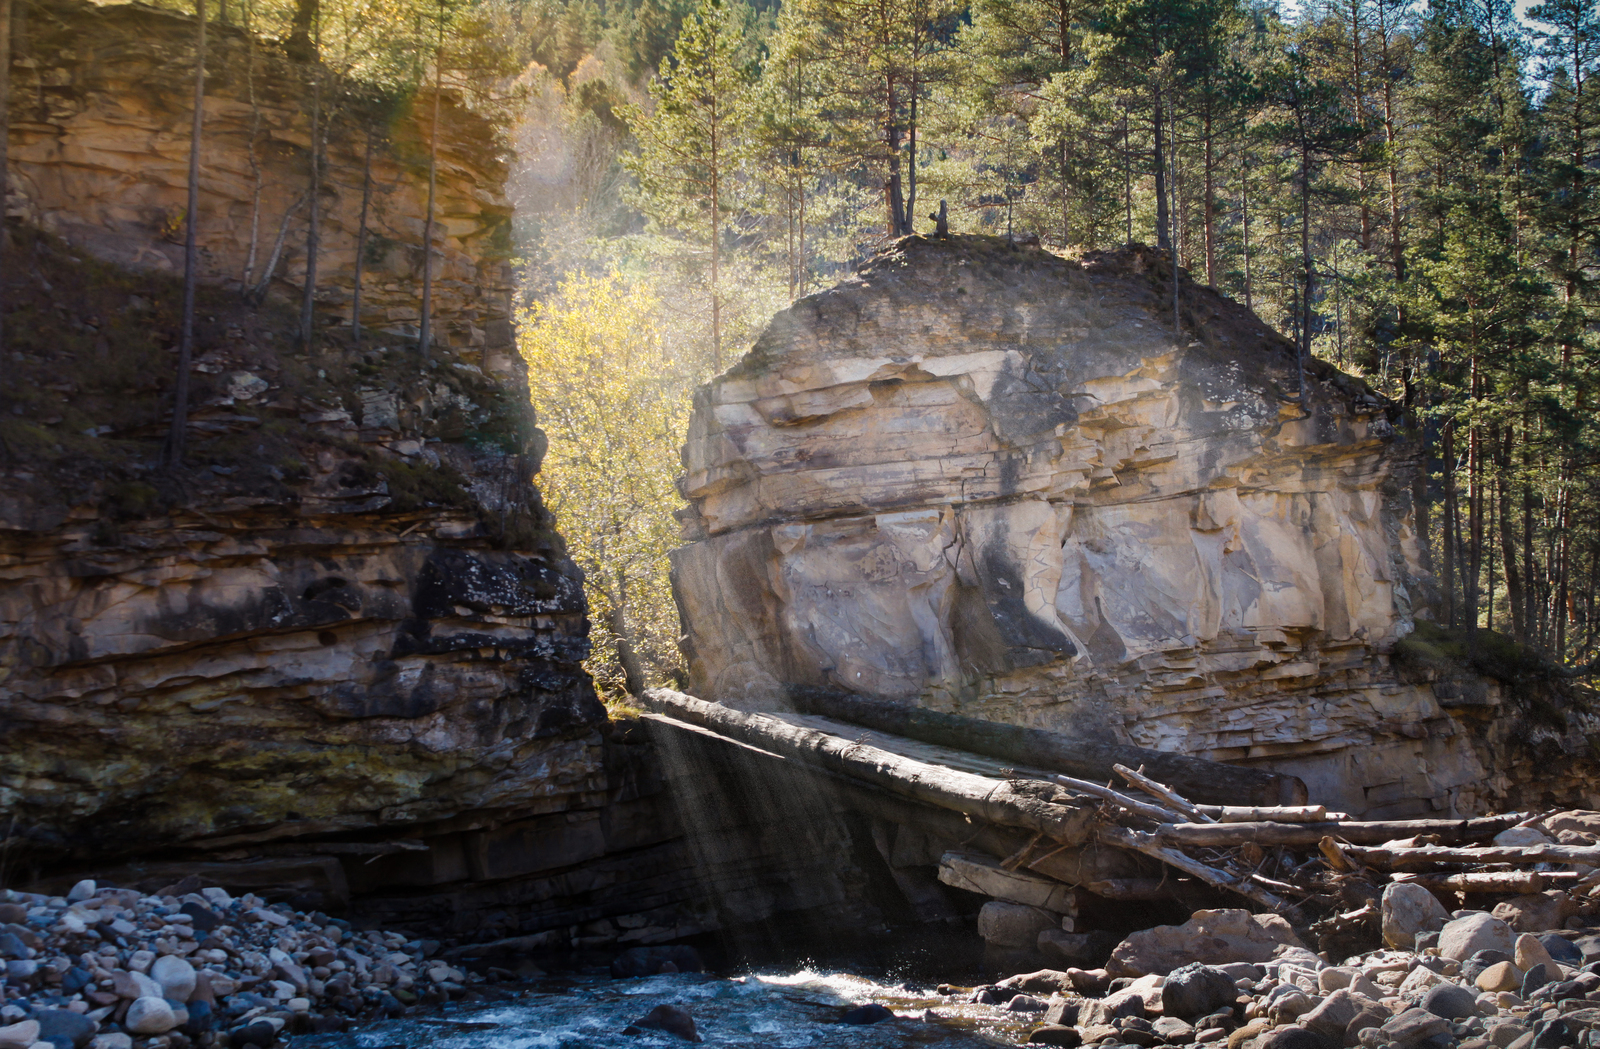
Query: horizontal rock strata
(984, 479)
(100, 114)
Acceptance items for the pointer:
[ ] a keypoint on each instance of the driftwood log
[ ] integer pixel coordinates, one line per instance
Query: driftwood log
(1518, 882)
(1224, 835)
(993, 800)
(1514, 854)
(1197, 779)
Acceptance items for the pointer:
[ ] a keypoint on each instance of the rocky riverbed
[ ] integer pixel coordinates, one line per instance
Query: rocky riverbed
(1226, 977)
(114, 968)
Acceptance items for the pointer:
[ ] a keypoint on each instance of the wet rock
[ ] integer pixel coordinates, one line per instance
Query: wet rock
(647, 961)
(1063, 1013)
(1055, 1034)
(1451, 1001)
(1026, 1003)
(872, 1013)
(260, 1034)
(670, 1019)
(1194, 990)
(1467, 935)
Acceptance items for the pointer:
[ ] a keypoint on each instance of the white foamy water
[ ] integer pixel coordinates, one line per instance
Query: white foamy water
(793, 1010)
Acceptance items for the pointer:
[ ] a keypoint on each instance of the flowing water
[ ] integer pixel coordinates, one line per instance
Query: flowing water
(791, 1010)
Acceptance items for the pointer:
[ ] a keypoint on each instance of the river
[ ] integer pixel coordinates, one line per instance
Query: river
(792, 1010)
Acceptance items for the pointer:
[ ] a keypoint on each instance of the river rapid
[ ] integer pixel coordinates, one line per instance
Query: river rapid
(796, 1009)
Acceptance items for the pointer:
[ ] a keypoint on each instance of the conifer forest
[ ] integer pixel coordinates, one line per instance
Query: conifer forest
(1407, 189)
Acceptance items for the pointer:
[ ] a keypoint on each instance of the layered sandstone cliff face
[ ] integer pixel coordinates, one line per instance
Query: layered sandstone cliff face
(100, 113)
(985, 479)
(337, 657)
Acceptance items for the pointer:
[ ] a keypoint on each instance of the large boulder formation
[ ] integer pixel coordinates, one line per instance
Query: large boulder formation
(983, 478)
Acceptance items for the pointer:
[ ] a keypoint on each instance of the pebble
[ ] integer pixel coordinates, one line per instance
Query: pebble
(111, 968)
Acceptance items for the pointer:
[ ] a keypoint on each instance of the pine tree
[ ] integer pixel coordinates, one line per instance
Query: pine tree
(191, 252)
(689, 148)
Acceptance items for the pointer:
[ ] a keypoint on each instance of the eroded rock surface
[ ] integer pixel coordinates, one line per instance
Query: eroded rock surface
(983, 478)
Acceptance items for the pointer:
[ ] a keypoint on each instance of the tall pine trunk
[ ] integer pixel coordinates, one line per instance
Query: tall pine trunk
(5, 148)
(425, 335)
(191, 252)
(361, 240)
(308, 292)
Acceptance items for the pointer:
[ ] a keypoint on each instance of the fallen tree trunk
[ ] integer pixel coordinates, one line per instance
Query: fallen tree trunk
(978, 796)
(1516, 854)
(1268, 814)
(1519, 882)
(1151, 846)
(1222, 835)
(1195, 778)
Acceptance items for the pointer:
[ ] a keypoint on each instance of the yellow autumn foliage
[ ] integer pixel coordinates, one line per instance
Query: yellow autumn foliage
(613, 394)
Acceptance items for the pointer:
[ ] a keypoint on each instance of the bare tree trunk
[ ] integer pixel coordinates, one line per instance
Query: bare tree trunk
(255, 157)
(1210, 204)
(191, 251)
(314, 219)
(1508, 541)
(424, 336)
(361, 240)
(632, 669)
(1451, 527)
(5, 146)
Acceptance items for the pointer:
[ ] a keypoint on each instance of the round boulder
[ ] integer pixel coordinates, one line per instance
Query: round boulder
(1451, 1001)
(1471, 933)
(175, 975)
(1409, 909)
(872, 1013)
(149, 1015)
(1195, 990)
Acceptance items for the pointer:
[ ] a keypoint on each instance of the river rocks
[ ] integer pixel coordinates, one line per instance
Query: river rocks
(678, 1023)
(1208, 937)
(151, 1016)
(63, 1027)
(1465, 936)
(176, 977)
(1451, 1001)
(19, 1035)
(1537, 912)
(1409, 909)
(1055, 1034)
(1501, 976)
(1013, 924)
(1528, 951)
(1194, 990)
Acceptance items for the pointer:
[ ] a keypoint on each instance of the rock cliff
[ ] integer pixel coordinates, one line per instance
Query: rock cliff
(336, 658)
(100, 112)
(986, 479)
